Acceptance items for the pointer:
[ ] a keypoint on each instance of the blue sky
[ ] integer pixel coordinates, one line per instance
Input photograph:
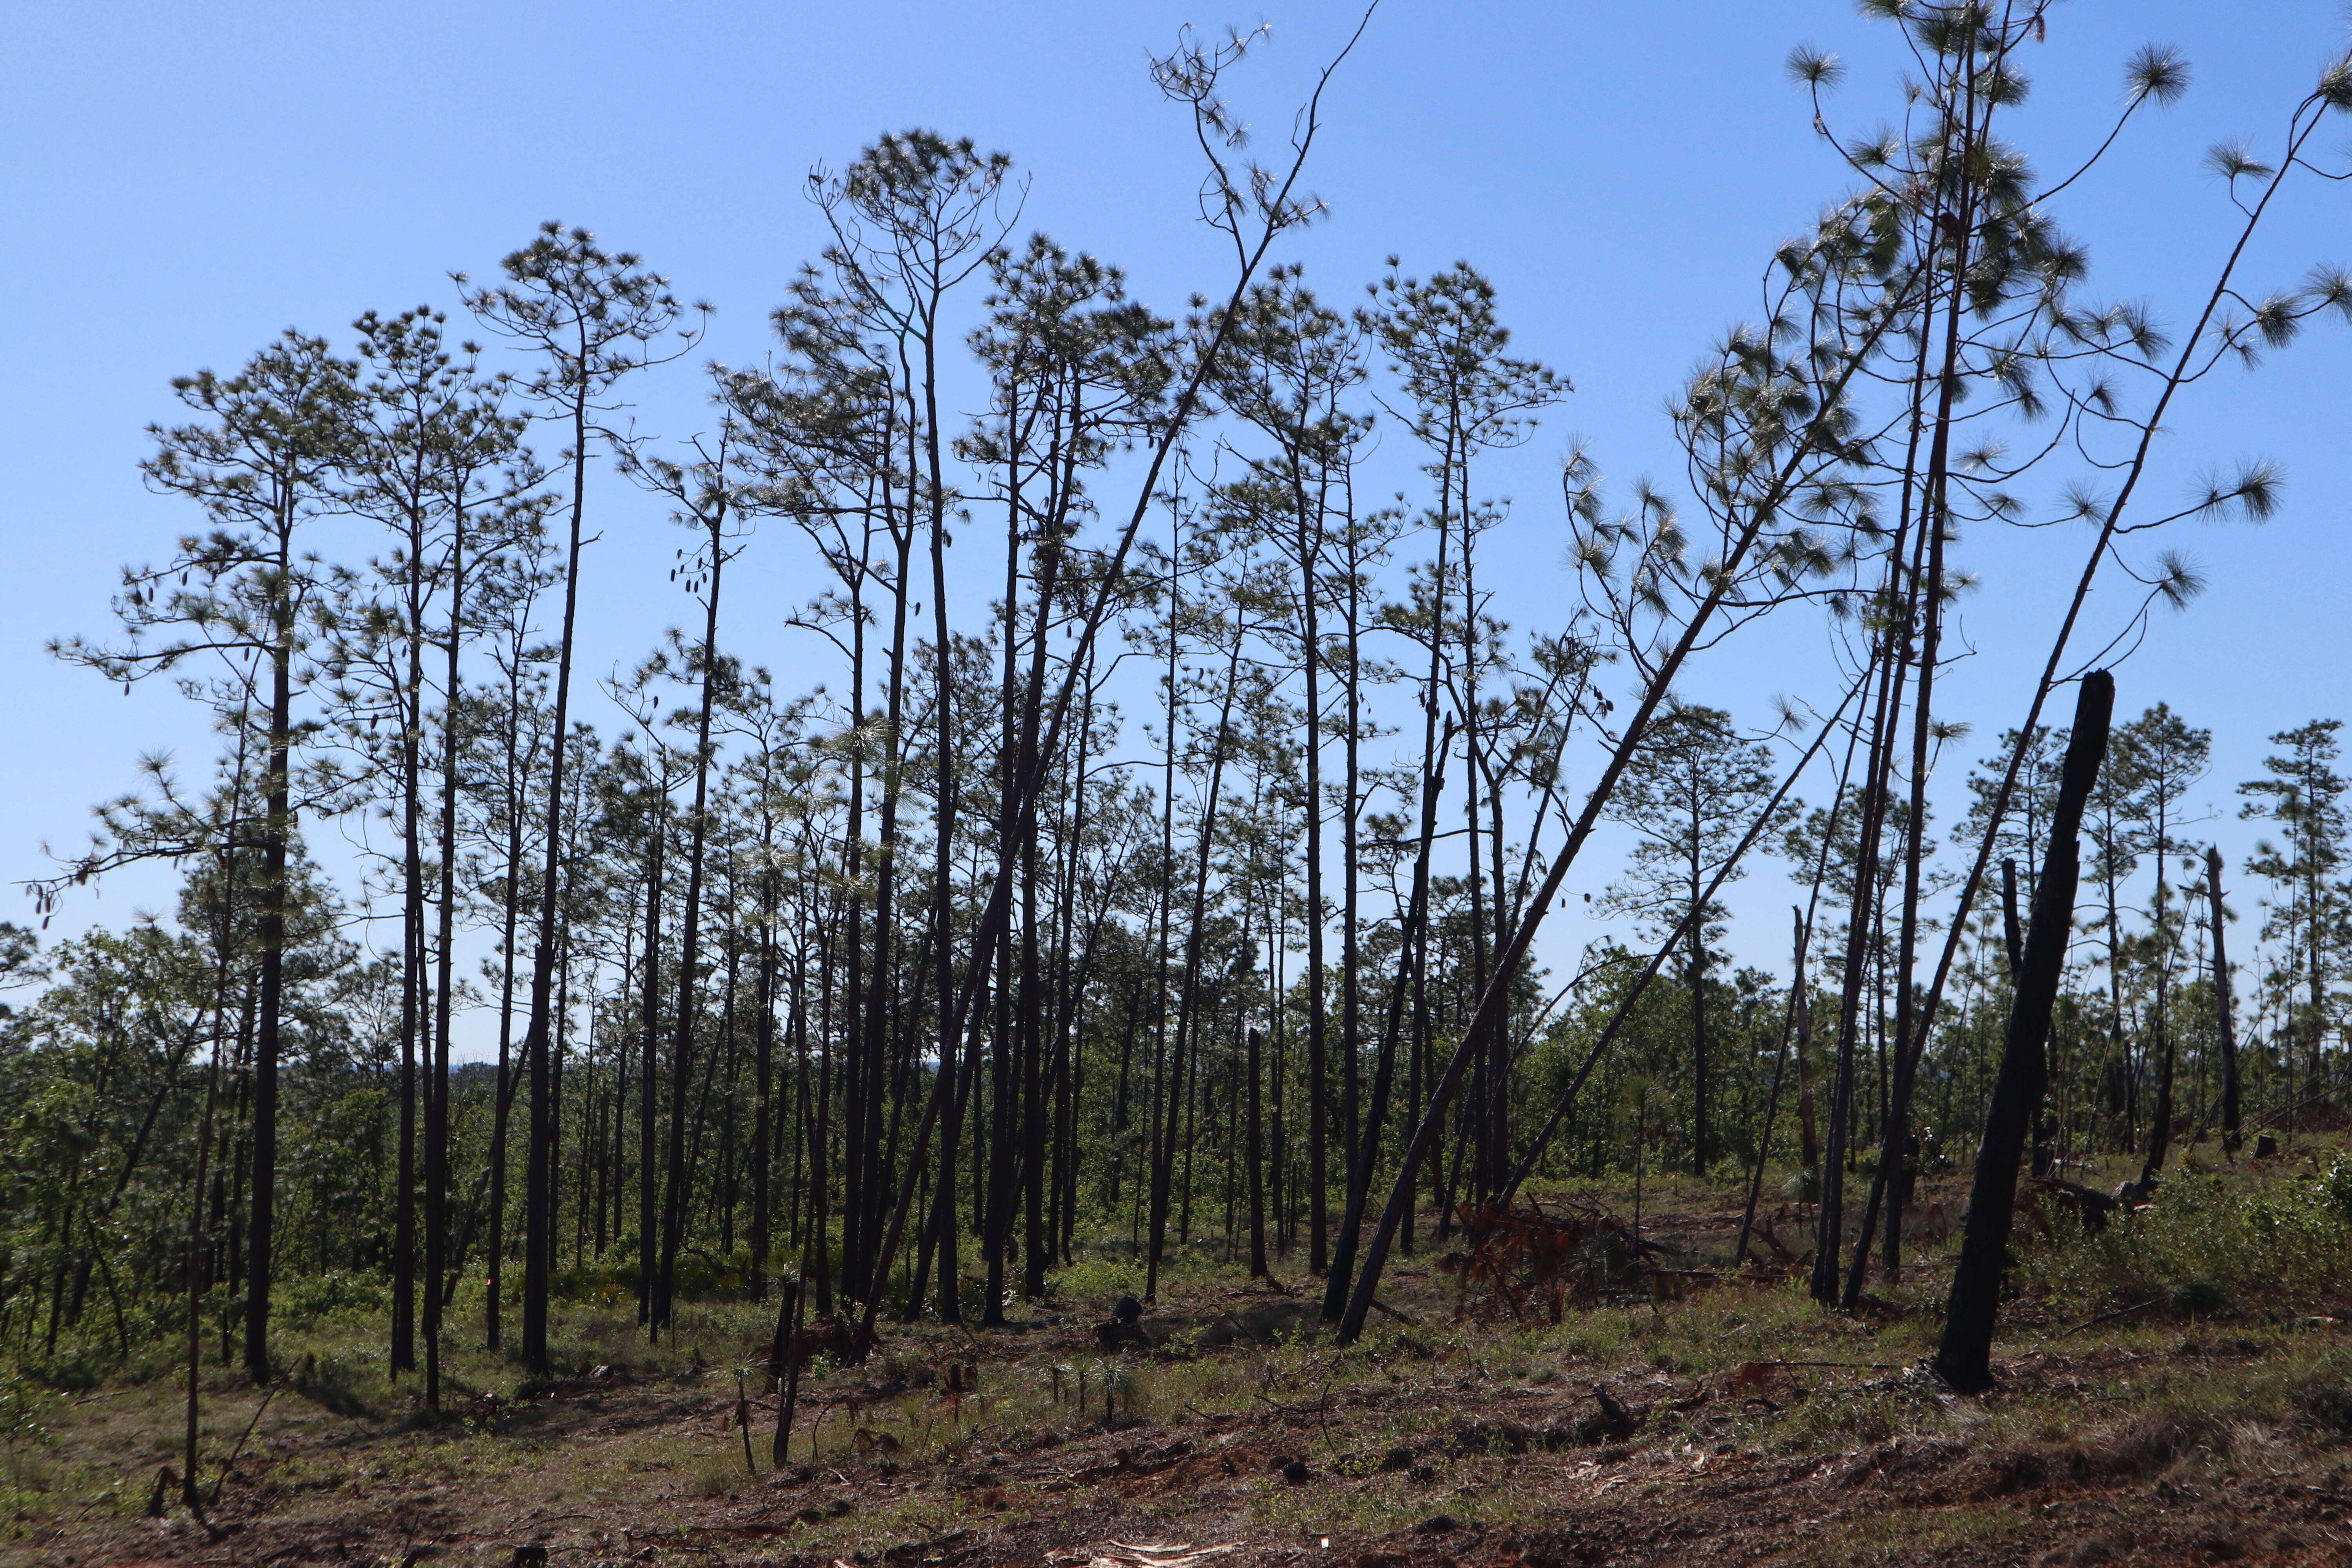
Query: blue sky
(184, 182)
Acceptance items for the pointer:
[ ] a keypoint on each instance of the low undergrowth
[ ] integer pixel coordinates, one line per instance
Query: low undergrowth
(1241, 1419)
(2228, 1244)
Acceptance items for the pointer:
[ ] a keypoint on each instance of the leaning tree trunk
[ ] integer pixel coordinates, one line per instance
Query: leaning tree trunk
(1965, 1360)
(1364, 1161)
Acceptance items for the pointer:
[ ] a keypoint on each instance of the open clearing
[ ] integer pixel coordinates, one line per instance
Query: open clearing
(1734, 1422)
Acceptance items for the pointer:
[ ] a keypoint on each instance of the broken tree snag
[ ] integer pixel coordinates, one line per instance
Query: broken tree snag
(1965, 1361)
(2233, 1132)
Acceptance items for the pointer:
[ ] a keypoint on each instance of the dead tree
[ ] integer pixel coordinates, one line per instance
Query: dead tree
(1965, 1360)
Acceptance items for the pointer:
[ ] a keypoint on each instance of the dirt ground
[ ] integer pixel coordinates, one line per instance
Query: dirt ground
(1705, 1423)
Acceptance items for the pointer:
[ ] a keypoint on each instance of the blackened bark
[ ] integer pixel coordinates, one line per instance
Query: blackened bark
(649, 1074)
(1036, 1251)
(2224, 1017)
(1965, 1359)
(1254, 1155)
(764, 1114)
(412, 972)
(2012, 930)
(817, 1260)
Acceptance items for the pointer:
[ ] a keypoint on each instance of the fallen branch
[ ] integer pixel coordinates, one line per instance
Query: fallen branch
(2107, 1318)
(1300, 1412)
(238, 1452)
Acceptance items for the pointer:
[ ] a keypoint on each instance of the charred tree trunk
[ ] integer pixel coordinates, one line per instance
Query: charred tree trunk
(1253, 1152)
(2224, 1018)
(649, 1074)
(764, 1115)
(1965, 1360)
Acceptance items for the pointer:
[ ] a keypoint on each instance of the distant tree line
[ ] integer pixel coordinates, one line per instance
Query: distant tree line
(1158, 870)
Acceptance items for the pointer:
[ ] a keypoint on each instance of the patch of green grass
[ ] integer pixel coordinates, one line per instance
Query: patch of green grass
(1379, 1505)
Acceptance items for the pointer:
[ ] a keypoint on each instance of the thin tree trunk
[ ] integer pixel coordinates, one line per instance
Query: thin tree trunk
(436, 1122)
(1317, 1003)
(1412, 933)
(1254, 1155)
(689, 933)
(2224, 1020)
(649, 1072)
(1828, 1238)
(1789, 1027)
(261, 1215)
(494, 1284)
(539, 1175)
(1176, 1097)
(764, 1071)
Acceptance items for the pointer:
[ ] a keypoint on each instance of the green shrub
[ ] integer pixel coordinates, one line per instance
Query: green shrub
(2207, 1245)
(74, 1367)
(700, 1275)
(308, 1299)
(1094, 1282)
(601, 1284)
